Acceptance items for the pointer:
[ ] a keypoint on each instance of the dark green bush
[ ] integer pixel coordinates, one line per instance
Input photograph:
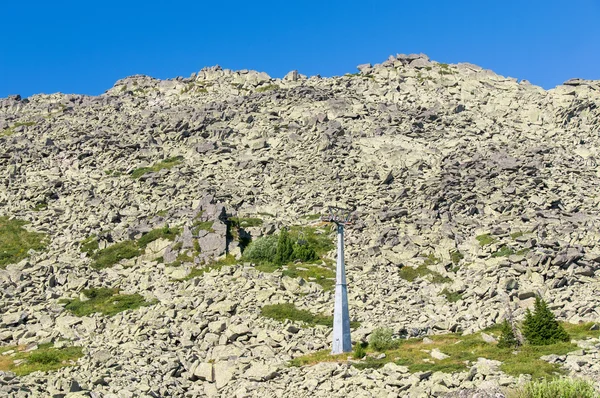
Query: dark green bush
(541, 327)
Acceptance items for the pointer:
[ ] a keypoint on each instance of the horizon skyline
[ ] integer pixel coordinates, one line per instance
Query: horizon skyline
(84, 48)
(283, 75)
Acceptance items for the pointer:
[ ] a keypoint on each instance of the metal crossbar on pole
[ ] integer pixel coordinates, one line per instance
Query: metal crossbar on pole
(341, 317)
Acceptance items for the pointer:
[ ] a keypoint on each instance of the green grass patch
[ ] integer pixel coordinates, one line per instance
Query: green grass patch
(114, 173)
(422, 271)
(431, 259)
(198, 226)
(264, 214)
(11, 130)
(165, 164)
(125, 250)
(111, 255)
(45, 359)
(503, 251)
(318, 357)
(452, 297)
(485, 239)
(182, 258)
(456, 256)
(517, 234)
(268, 267)
(312, 273)
(581, 331)
(196, 272)
(242, 222)
(269, 87)
(16, 241)
(288, 311)
(159, 233)
(311, 217)
(89, 245)
(463, 351)
(105, 301)
(445, 70)
(40, 206)
(319, 238)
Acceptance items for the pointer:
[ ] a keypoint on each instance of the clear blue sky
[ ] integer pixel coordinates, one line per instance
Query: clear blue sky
(85, 46)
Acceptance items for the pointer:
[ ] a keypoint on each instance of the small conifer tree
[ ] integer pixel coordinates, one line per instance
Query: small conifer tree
(285, 248)
(507, 336)
(541, 327)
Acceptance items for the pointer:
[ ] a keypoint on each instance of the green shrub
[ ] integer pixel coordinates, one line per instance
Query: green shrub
(541, 327)
(557, 388)
(507, 336)
(381, 340)
(262, 249)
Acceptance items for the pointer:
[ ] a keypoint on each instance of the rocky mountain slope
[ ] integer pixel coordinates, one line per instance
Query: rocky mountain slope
(492, 180)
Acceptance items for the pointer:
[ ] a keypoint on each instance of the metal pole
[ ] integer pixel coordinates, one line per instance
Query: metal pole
(341, 316)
